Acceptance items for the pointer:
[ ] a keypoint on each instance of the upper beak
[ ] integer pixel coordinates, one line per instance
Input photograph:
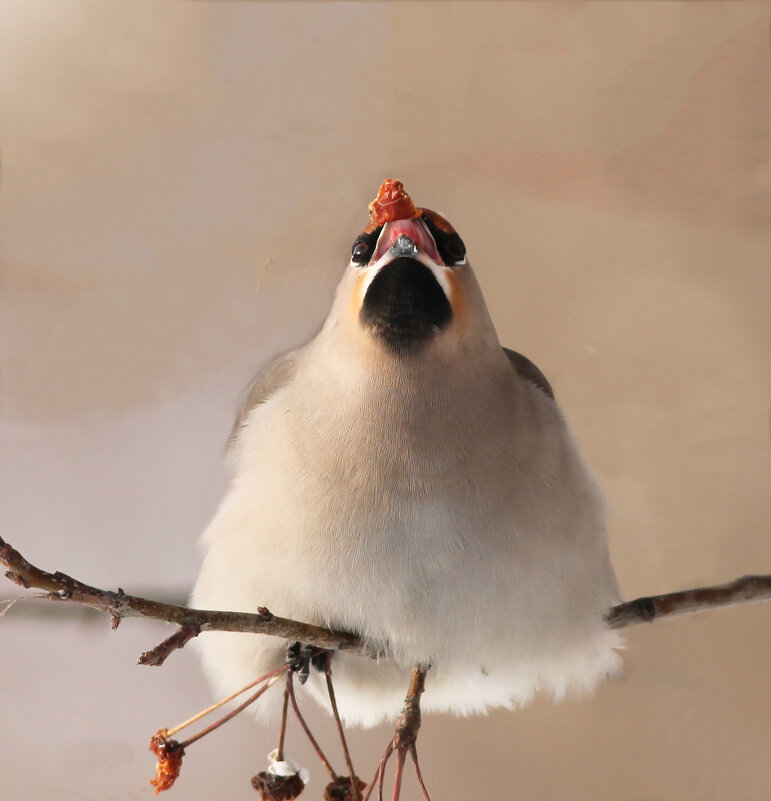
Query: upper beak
(406, 238)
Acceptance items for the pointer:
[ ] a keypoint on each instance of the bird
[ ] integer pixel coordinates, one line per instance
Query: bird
(406, 478)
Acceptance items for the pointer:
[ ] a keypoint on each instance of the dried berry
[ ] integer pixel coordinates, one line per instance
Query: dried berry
(169, 753)
(392, 203)
(340, 789)
(272, 787)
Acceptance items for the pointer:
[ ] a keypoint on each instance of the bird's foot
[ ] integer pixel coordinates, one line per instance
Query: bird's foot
(300, 657)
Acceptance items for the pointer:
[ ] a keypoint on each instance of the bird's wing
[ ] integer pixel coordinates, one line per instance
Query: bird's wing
(267, 382)
(527, 370)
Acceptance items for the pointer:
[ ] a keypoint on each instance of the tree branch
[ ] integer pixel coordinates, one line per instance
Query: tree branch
(119, 605)
(61, 587)
(747, 589)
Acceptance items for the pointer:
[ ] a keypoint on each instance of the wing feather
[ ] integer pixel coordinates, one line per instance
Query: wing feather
(267, 382)
(527, 370)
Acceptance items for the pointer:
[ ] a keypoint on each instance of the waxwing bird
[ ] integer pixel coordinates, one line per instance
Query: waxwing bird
(405, 478)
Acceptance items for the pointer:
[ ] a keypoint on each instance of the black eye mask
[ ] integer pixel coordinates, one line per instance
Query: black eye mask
(364, 247)
(450, 246)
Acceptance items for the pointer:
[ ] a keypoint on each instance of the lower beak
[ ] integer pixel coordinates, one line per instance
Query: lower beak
(406, 238)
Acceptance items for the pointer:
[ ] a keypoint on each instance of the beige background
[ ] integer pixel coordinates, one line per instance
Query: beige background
(608, 167)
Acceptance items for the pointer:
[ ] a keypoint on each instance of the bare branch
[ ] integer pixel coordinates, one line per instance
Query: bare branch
(118, 605)
(747, 589)
(157, 656)
(61, 587)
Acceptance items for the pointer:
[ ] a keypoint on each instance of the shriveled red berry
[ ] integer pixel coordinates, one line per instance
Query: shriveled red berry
(277, 788)
(169, 754)
(392, 203)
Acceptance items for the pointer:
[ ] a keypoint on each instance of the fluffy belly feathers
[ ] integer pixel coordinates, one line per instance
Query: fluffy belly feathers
(497, 575)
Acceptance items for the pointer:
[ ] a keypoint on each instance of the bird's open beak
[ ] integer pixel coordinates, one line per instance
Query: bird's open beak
(406, 238)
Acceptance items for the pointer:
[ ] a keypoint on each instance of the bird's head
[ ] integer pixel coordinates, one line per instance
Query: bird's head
(408, 283)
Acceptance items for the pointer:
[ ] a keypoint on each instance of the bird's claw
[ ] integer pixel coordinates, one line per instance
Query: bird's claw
(300, 656)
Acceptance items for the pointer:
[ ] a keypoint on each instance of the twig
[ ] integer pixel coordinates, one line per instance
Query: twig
(118, 605)
(61, 587)
(157, 656)
(404, 738)
(409, 721)
(748, 589)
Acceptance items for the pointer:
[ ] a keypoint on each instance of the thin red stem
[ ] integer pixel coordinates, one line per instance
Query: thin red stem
(400, 755)
(381, 771)
(346, 752)
(282, 732)
(414, 754)
(225, 718)
(308, 734)
(203, 713)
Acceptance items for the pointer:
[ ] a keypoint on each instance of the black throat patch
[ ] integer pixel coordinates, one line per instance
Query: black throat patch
(405, 306)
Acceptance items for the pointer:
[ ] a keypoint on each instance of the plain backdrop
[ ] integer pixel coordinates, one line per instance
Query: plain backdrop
(607, 165)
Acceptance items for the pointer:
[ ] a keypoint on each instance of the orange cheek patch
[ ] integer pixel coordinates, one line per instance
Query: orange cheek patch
(457, 300)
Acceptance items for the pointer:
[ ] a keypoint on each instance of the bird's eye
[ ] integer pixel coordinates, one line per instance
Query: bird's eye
(364, 246)
(453, 250)
(360, 251)
(450, 245)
